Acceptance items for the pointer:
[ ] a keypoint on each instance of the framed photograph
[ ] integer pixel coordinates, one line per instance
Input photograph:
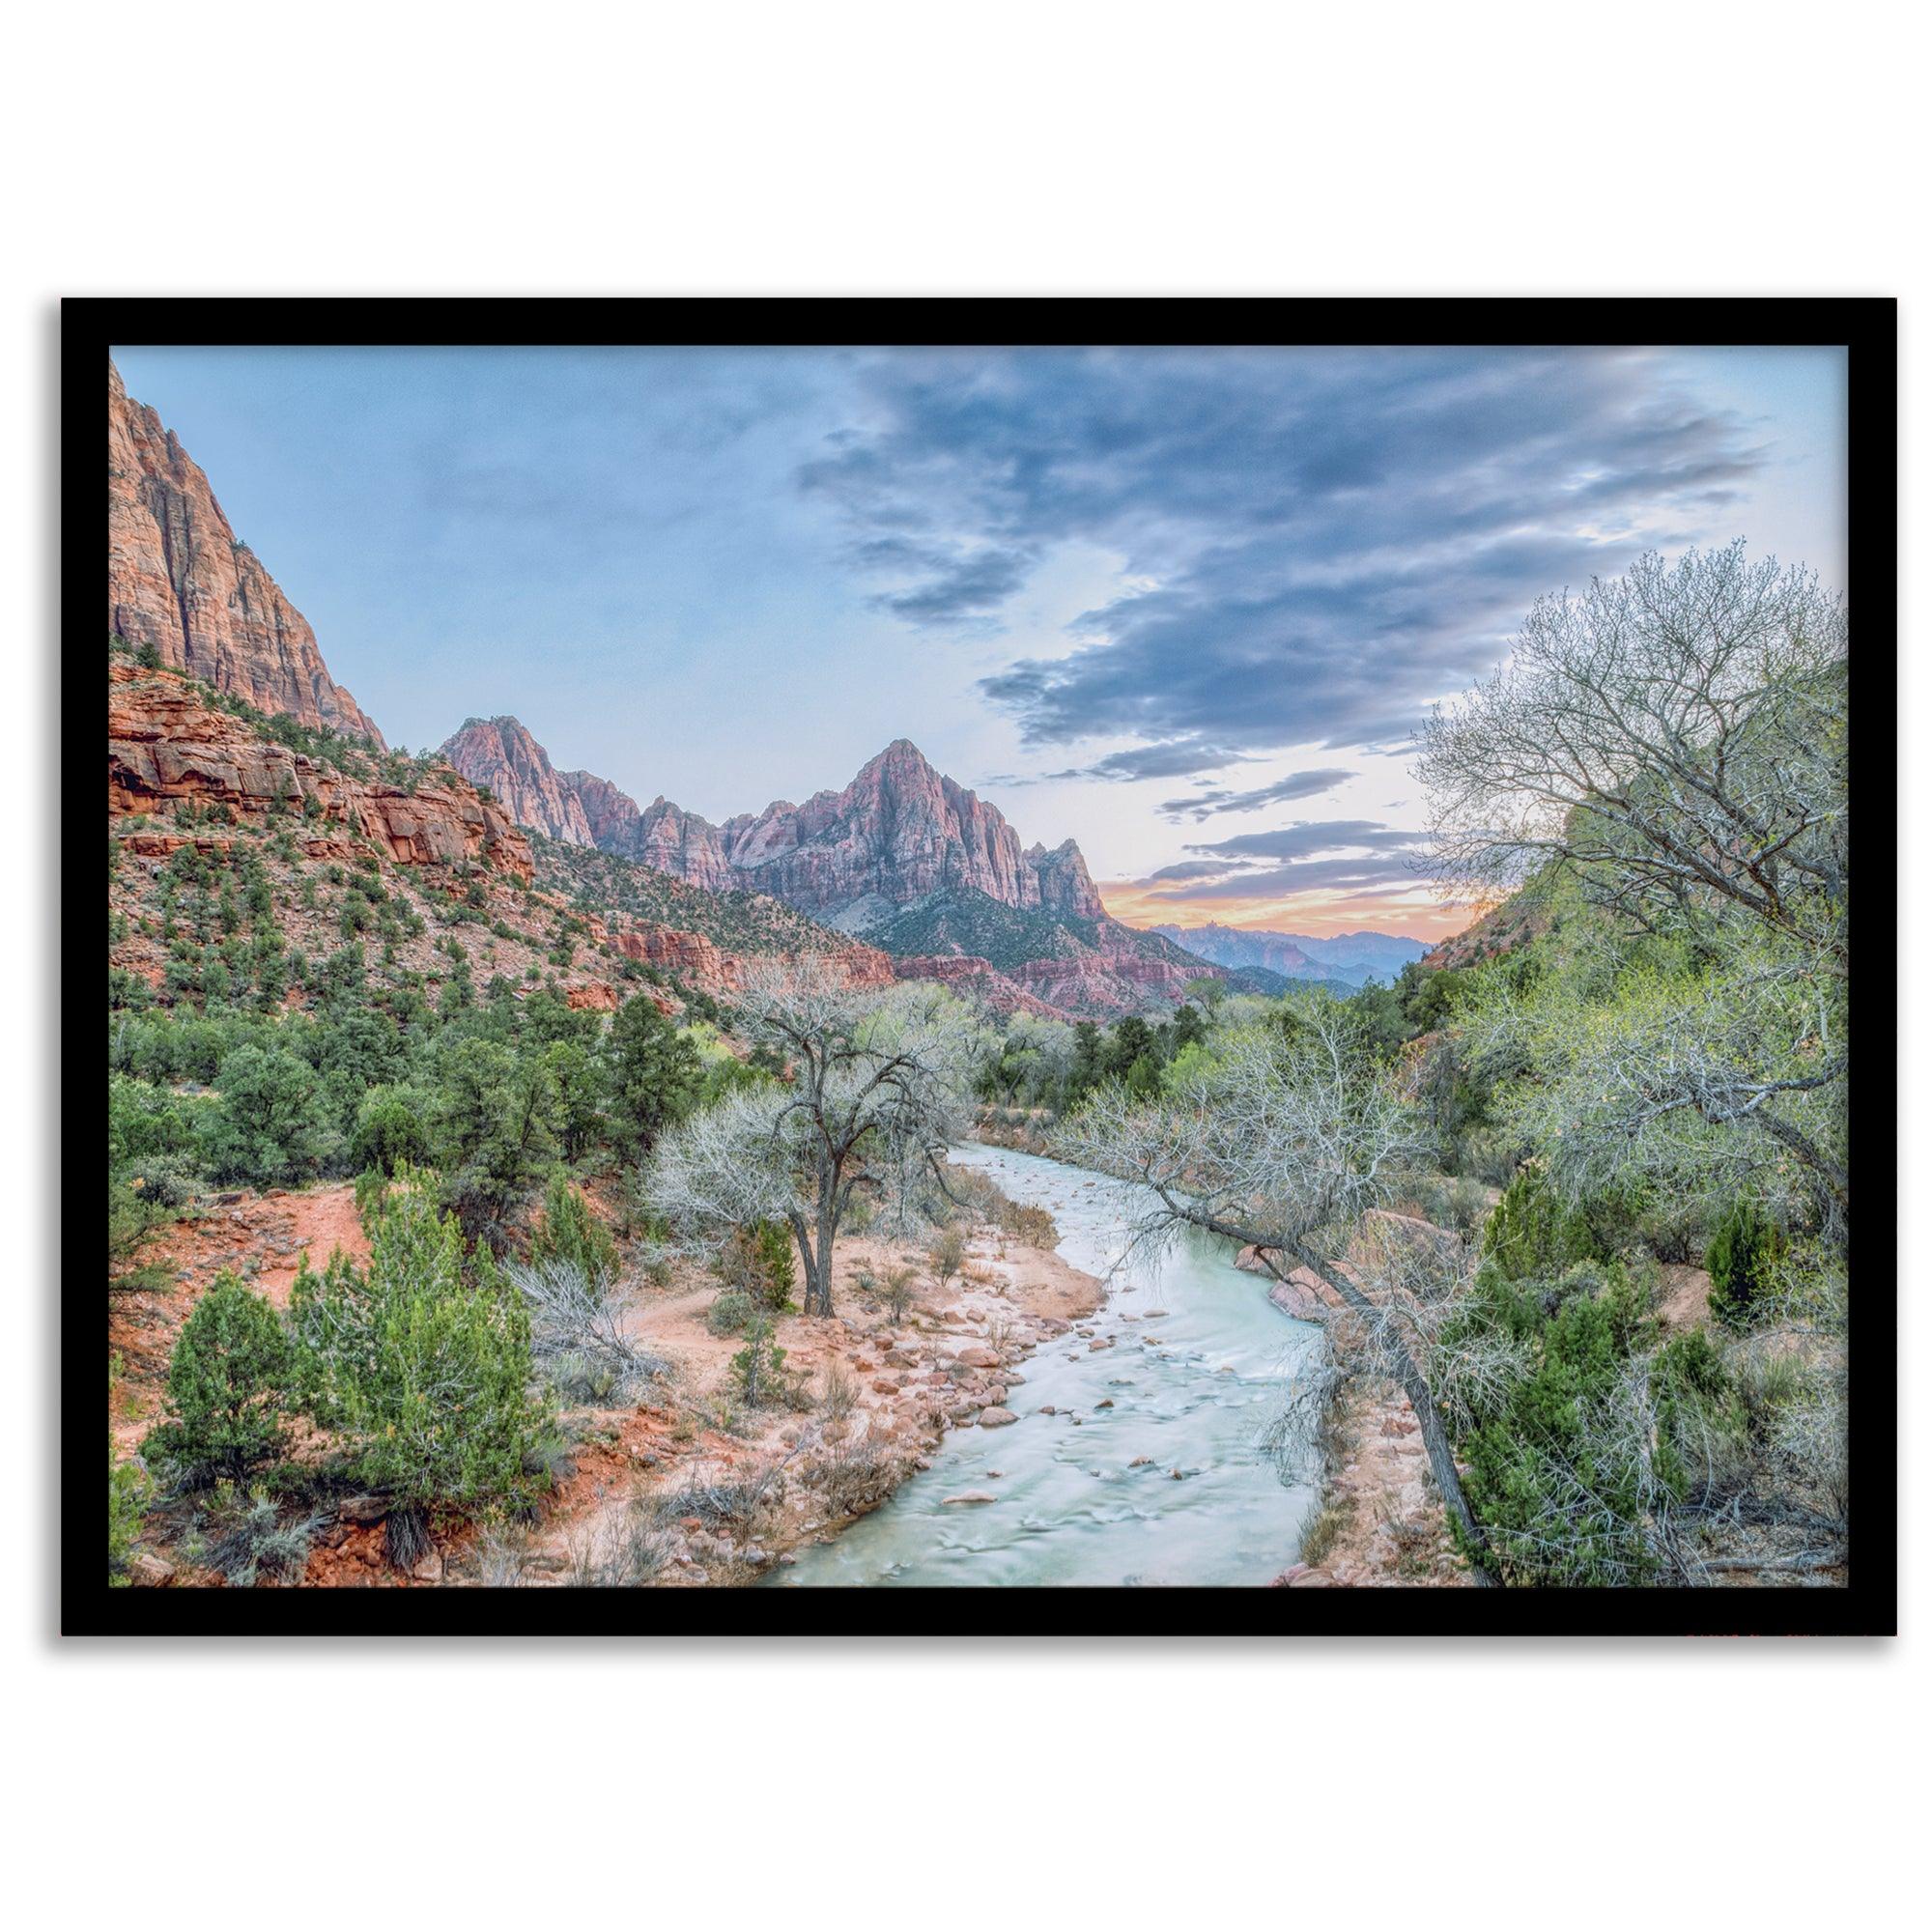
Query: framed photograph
(1167, 966)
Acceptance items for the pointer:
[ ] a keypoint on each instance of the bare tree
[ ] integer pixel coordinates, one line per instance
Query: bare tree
(576, 1321)
(872, 1098)
(1679, 732)
(1288, 1146)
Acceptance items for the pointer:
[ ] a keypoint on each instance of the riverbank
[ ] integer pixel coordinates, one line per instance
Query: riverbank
(1380, 1524)
(705, 1492)
(1140, 1456)
(1021, 1129)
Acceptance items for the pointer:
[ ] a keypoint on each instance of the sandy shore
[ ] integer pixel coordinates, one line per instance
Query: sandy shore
(950, 1363)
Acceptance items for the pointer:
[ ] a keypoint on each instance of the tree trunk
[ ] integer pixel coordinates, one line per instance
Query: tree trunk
(1415, 1384)
(818, 1265)
(1434, 1438)
(815, 1263)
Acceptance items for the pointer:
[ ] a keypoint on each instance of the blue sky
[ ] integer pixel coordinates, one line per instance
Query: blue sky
(1154, 600)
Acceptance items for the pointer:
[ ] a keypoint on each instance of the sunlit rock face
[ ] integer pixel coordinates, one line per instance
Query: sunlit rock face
(899, 832)
(167, 746)
(179, 578)
(500, 754)
(902, 856)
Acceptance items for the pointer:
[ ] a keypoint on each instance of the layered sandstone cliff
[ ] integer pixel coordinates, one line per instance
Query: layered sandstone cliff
(700, 962)
(179, 580)
(901, 831)
(500, 754)
(611, 815)
(691, 848)
(902, 855)
(167, 745)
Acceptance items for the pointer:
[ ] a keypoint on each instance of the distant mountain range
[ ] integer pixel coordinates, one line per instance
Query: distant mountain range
(902, 873)
(904, 858)
(1354, 958)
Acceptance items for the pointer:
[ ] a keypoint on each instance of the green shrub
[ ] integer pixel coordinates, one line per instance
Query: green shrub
(422, 1366)
(947, 1254)
(269, 1127)
(372, 1199)
(166, 1182)
(758, 1368)
(1555, 1484)
(653, 1070)
(1696, 1409)
(132, 1222)
(391, 1129)
(759, 1258)
(228, 1382)
(1742, 1260)
(126, 1498)
(729, 1311)
(246, 1538)
(898, 1288)
(567, 1231)
(1531, 1231)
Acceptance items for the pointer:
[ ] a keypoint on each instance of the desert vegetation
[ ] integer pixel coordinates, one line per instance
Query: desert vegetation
(1653, 1074)
(1576, 1188)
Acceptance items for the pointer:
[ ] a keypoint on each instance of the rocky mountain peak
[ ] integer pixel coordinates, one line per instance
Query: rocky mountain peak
(500, 754)
(900, 833)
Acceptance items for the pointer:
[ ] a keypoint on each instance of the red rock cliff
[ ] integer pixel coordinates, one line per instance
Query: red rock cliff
(166, 743)
(611, 815)
(179, 580)
(500, 754)
(900, 831)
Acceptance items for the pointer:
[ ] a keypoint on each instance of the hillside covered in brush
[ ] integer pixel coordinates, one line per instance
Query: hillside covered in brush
(735, 922)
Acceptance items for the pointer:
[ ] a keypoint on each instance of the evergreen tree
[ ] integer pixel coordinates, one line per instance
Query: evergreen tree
(654, 1073)
(227, 1384)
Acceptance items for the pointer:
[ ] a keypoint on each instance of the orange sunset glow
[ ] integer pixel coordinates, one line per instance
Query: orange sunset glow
(1416, 911)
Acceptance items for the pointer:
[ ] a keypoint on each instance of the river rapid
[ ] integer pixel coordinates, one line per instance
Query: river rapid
(1167, 1486)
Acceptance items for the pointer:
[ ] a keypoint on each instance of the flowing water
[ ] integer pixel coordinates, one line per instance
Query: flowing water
(1194, 1375)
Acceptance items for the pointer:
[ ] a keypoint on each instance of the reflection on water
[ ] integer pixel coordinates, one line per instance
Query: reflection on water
(1191, 1386)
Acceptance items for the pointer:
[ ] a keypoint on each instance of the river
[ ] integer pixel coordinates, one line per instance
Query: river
(1198, 1359)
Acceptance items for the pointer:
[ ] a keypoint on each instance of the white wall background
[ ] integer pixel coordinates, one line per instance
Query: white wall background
(838, 148)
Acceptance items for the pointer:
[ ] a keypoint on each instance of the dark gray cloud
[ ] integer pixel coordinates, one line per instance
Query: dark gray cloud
(1332, 537)
(1260, 882)
(1209, 803)
(1336, 854)
(951, 585)
(1179, 759)
(1299, 842)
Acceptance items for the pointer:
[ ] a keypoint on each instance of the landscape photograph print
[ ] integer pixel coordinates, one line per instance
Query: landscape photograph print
(1214, 972)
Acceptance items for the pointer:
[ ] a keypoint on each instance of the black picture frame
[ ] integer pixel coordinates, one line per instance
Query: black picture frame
(1867, 327)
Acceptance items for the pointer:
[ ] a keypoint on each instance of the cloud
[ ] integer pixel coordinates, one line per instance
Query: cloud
(1188, 869)
(1179, 757)
(952, 585)
(1207, 804)
(1340, 855)
(1326, 540)
(1335, 876)
(1299, 842)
